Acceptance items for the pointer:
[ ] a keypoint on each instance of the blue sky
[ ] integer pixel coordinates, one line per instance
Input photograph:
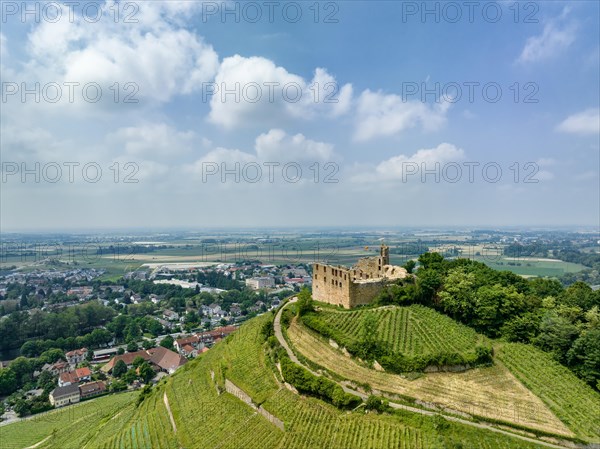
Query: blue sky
(342, 110)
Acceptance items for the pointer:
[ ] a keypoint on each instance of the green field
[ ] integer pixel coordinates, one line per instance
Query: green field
(410, 330)
(206, 418)
(569, 397)
(526, 267)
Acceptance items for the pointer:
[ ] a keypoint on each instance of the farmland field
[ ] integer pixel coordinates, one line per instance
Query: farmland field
(570, 398)
(410, 330)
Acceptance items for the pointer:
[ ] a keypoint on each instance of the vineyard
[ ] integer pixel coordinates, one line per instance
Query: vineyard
(410, 330)
(488, 392)
(206, 417)
(63, 426)
(570, 398)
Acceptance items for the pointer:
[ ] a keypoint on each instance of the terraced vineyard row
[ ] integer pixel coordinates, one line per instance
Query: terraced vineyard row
(63, 425)
(310, 423)
(150, 428)
(410, 330)
(246, 364)
(571, 399)
(193, 398)
(488, 392)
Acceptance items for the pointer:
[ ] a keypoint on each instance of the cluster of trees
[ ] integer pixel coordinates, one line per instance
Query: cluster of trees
(20, 326)
(501, 304)
(18, 378)
(141, 369)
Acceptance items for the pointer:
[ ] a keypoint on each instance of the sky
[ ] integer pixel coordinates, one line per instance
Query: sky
(246, 114)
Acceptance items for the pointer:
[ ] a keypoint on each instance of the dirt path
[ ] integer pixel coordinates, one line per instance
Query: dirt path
(166, 399)
(39, 443)
(279, 335)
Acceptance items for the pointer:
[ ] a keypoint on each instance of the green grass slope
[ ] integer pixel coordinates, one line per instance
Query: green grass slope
(207, 417)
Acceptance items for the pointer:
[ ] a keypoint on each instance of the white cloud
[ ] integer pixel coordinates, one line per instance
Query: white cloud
(585, 122)
(555, 38)
(262, 92)
(153, 139)
(403, 167)
(156, 54)
(274, 146)
(379, 114)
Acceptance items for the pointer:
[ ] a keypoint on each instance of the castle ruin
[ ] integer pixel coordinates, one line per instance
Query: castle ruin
(350, 287)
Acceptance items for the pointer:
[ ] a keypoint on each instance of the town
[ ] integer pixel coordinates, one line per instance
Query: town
(75, 336)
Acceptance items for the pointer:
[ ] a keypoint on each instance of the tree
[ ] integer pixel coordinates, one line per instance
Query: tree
(368, 336)
(130, 376)
(120, 351)
(147, 344)
(46, 381)
(22, 408)
(305, 302)
(8, 381)
(556, 335)
(167, 342)
(584, 356)
(119, 369)
(132, 346)
(138, 361)
(146, 372)
(410, 266)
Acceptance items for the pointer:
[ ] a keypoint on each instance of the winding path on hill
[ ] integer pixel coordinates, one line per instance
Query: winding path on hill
(279, 335)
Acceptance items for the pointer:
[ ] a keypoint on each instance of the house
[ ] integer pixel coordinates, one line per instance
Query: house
(260, 282)
(76, 356)
(214, 310)
(160, 357)
(188, 351)
(128, 358)
(193, 341)
(167, 360)
(61, 396)
(235, 310)
(75, 376)
(92, 389)
(56, 368)
(170, 315)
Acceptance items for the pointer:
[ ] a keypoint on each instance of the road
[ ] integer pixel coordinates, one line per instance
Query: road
(279, 335)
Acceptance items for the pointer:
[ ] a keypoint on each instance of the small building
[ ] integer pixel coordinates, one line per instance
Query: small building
(192, 340)
(75, 376)
(92, 389)
(66, 395)
(76, 356)
(102, 355)
(170, 315)
(260, 282)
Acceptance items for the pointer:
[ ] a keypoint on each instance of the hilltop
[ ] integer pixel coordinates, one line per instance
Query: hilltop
(193, 408)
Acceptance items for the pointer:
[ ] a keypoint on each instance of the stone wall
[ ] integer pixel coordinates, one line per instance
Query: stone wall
(364, 292)
(233, 389)
(331, 284)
